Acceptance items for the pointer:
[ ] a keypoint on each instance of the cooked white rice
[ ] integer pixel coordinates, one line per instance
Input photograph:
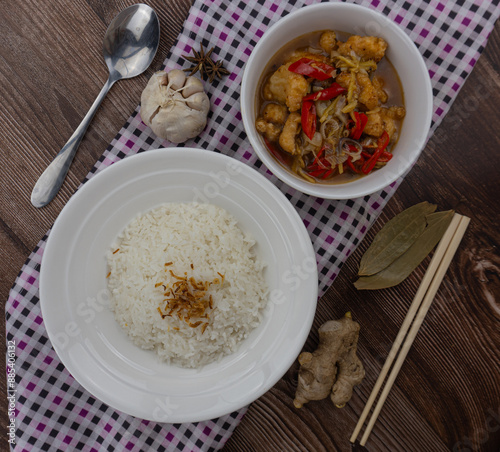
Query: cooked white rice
(182, 234)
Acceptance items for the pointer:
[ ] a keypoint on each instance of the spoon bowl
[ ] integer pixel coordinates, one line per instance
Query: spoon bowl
(129, 46)
(131, 41)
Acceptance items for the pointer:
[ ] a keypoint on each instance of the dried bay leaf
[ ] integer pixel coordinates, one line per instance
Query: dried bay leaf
(397, 235)
(400, 269)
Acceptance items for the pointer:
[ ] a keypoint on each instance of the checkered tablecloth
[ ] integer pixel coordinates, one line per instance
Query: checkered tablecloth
(52, 411)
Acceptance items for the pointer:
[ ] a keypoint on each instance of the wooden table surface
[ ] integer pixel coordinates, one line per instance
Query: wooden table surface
(447, 396)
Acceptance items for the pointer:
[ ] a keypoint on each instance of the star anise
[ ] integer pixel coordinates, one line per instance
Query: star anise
(207, 67)
(215, 69)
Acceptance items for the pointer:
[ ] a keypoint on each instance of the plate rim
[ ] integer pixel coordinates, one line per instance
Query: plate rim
(168, 153)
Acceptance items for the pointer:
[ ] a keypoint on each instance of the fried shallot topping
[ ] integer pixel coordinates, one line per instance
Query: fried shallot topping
(187, 299)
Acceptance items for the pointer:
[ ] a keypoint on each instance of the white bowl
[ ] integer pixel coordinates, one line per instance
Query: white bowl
(402, 53)
(74, 296)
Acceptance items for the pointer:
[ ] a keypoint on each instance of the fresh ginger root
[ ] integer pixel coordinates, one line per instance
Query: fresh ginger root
(338, 340)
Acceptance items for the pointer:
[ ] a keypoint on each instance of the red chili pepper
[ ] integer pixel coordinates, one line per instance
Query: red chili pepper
(326, 94)
(357, 165)
(351, 165)
(382, 143)
(317, 161)
(313, 68)
(327, 174)
(319, 155)
(308, 118)
(272, 148)
(321, 173)
(317, 173)
(385, 157)
(316, 167)
(360, 123)
(320, 167)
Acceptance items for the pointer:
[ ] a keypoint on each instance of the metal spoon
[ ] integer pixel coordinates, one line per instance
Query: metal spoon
(129, 46)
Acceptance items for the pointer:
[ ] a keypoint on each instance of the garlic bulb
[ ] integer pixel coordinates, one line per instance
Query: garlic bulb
(174, 106)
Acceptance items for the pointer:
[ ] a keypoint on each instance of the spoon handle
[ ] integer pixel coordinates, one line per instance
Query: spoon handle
(52, 178)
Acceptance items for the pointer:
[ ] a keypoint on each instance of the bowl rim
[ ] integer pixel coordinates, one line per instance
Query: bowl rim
(334, 191)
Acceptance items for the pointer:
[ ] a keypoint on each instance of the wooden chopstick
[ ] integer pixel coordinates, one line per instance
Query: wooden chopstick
(423, 300)
(424, 285)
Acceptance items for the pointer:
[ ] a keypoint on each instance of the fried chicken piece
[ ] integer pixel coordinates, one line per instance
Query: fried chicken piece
(344, 79)
(366, 47)
(328, 41)
(368, 95)
(385, 119)
(389, 124)
(364, 91)
(290, 131)
(395, 112)
(374, 124)
(275, 113)
(268, 129)
(272, 120)
(378, 86)
(287, 88)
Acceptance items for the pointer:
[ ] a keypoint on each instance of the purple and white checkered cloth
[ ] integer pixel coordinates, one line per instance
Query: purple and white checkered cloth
(53, 412)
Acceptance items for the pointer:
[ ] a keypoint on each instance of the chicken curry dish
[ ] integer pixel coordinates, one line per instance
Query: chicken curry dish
(331, 110)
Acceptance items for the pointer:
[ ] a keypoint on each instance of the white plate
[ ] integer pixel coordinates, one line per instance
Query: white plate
(74, 298)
